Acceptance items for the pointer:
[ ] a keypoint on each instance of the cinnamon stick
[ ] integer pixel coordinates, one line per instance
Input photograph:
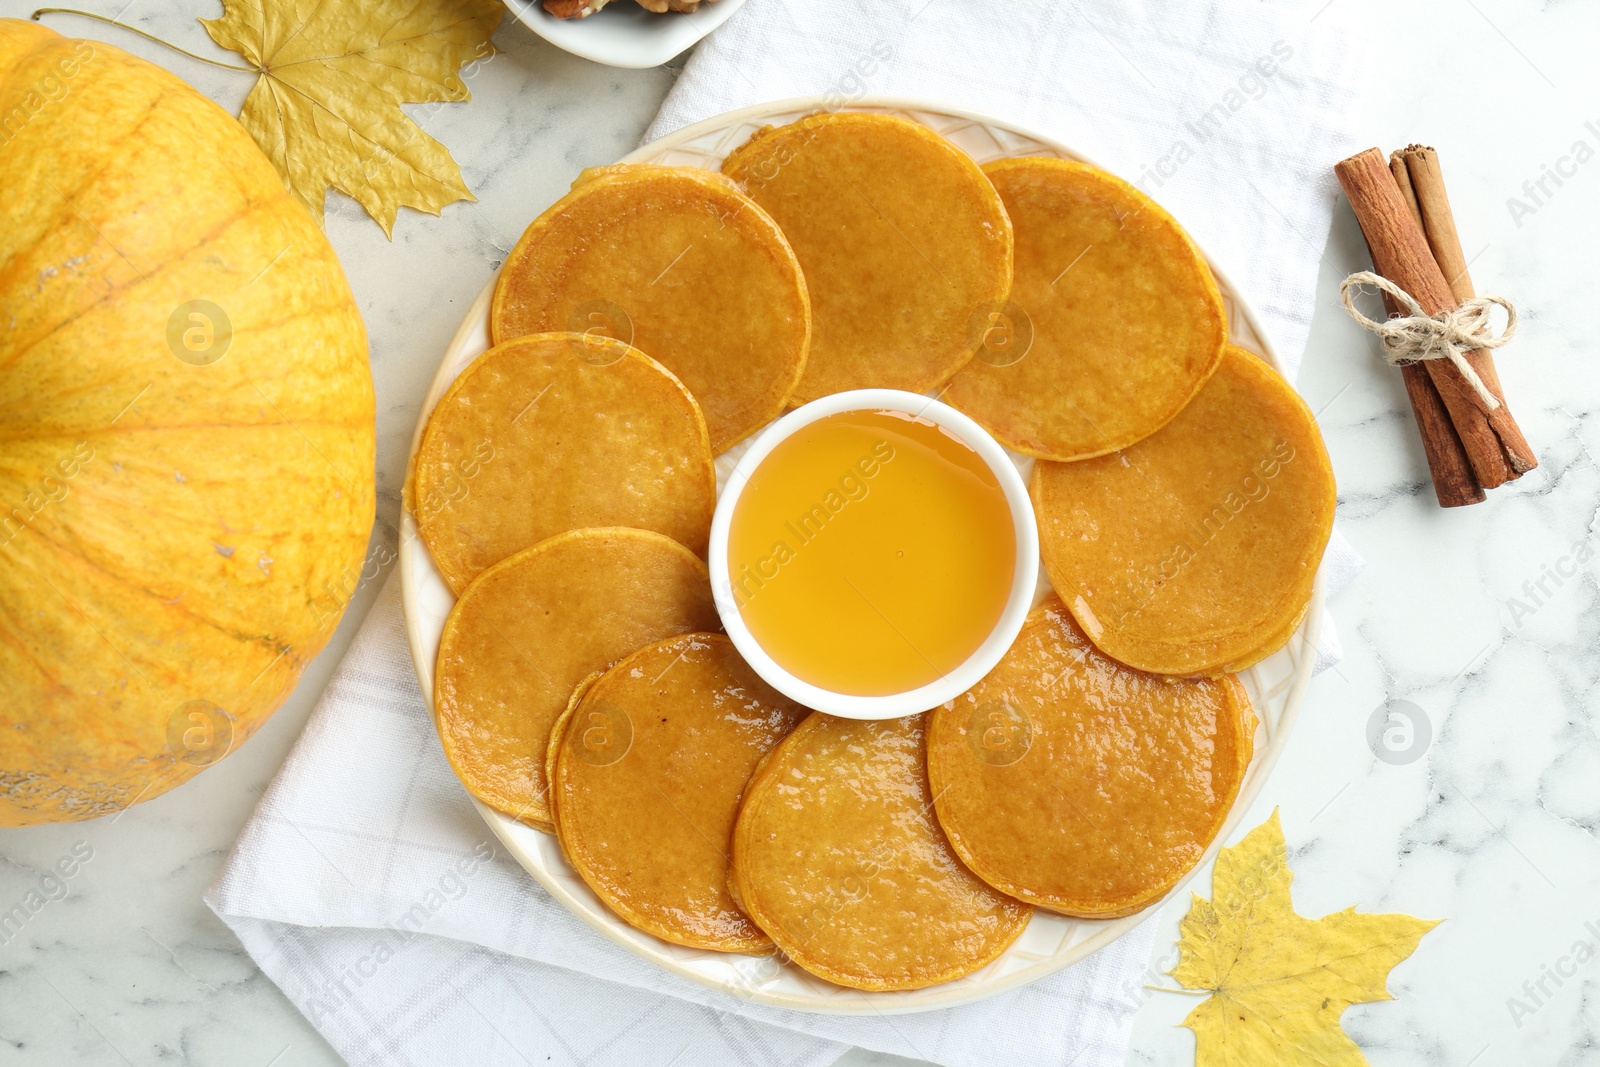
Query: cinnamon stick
(1400, 253)
(1421, 164)
(1408, 192)
(1454, 484)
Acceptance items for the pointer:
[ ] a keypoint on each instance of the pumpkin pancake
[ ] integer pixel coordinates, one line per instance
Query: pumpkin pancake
(836, 855)
(647, 779)
(530, 628)
(1193, 551)
(1126, 320)
(557, 432)
(683, 266)
(1072, 782)
(902, 239)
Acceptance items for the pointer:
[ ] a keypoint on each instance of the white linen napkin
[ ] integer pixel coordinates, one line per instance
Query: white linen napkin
(367, 887)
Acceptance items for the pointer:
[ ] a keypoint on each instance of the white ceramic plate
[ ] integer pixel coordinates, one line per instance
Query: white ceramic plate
(623, 34)
(1050, 942)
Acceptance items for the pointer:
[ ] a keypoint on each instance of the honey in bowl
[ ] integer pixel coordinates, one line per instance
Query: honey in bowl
(871, 552)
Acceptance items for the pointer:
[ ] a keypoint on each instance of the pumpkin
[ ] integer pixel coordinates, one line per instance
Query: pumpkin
(186, 431)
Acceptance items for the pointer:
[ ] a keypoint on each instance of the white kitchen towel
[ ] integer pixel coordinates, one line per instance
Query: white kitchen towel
(367, 887)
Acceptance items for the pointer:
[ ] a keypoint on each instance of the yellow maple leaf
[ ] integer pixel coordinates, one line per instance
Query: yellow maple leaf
(333, 74)
(1278, 981)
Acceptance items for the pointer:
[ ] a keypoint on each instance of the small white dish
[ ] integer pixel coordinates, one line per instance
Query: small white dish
(1023, 580)
(623, 34)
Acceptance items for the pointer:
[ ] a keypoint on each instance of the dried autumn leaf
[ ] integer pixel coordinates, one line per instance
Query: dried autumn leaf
(326, 109)
(1278, 981)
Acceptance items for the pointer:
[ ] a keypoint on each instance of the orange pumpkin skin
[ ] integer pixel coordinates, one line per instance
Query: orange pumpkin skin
(178, 536)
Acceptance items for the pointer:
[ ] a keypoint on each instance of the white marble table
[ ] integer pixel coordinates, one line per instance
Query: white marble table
(1485, 619)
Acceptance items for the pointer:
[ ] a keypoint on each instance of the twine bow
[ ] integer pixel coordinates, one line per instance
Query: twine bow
(1447, 335)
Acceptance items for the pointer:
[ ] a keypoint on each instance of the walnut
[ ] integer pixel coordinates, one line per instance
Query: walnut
(577, 9)
(573, 9)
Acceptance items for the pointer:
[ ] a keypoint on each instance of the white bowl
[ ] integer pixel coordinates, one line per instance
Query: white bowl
(623, 34)
(1023, 580)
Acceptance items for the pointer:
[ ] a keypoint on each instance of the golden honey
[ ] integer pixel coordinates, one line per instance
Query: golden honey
(871, 553)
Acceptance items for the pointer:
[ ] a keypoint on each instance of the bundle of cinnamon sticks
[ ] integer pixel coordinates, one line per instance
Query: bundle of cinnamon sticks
(1406, 219)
